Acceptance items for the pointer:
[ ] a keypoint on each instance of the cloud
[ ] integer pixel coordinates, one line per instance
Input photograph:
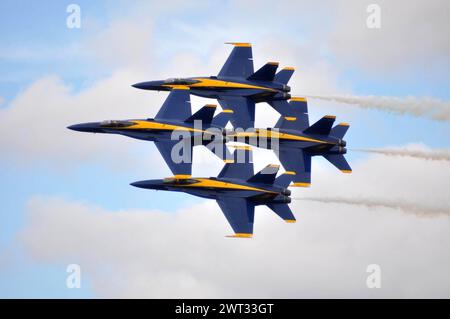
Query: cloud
(33, 126)
(412, 35)
(325, 254)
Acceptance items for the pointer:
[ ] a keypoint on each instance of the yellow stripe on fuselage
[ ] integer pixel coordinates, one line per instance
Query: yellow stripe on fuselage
(277, 135)
(151, 125)
(214, 83)
(209, 183)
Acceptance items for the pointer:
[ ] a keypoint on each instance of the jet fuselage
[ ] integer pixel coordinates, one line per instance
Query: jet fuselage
(150, 129)
(276, 139)
(211, 188)
(217, 87)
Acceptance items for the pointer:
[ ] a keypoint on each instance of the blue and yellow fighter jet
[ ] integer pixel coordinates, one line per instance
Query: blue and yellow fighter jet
(237, 87)
(295, 141)
(236, 190)
(175, 115)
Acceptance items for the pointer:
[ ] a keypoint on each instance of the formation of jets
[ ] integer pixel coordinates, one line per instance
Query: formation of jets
(175, 131)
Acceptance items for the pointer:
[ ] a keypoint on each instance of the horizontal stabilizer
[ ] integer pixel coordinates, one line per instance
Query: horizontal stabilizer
(284, 180)
(241, 166)
(339, 161)
(296, 116)
(205, 114)
(322, 126)
(221, 120)
(177, 106)
(266, 175)
(284, 75)
(283, 211)
(265, 73)
(299, 104)
(339, 130)
(295, 107)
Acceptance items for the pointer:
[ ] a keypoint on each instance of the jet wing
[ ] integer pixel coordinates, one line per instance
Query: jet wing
(297, 163)
(240, 215)
(176, 163)
(177, 106)
(243, 111)
(239, 63)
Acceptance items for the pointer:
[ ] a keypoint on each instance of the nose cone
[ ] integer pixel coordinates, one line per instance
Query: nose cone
(150, 184)
(140, 184)
(150, 85)
(93, 127)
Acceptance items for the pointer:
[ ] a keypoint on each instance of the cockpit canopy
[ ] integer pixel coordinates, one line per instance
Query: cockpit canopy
(116, 124)
(179, 181)
(180, 81)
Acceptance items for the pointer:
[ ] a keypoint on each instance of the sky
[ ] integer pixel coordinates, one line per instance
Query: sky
(66, 197)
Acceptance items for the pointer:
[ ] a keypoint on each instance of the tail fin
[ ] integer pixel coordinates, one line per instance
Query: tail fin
(283, 211)
(205, 114)
(339, 161)
(284, 75)
(266, 175)
(221, 120)
(340, 130)
(322, 126)
(241, 166)
(265, 73)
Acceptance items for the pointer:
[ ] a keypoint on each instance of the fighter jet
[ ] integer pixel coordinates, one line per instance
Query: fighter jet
(175, 115)
(237, 87)
(295, 141)
(236, 190)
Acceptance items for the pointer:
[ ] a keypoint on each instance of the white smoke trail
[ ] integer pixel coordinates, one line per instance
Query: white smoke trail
(434, 155)
(435, 109)
(419, 210)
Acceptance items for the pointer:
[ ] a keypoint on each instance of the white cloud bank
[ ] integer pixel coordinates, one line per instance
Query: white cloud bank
(325, 254)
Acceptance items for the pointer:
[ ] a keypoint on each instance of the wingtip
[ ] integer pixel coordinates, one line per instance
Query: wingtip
(240, 235)
(301, 184)
(298, 99)
(240, 44)
(346, 171)
(290, 221)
